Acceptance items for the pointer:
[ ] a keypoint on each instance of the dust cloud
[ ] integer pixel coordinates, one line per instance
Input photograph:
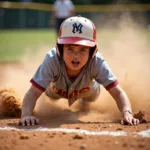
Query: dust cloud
(127, 54)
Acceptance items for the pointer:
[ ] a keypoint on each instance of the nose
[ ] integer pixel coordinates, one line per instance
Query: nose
(76, 53)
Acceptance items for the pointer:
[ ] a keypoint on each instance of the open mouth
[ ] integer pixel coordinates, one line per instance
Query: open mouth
(75, 62)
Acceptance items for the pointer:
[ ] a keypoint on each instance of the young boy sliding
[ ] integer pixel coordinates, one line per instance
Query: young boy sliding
(74, 69)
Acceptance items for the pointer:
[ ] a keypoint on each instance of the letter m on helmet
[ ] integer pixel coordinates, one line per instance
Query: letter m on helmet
(77, 28)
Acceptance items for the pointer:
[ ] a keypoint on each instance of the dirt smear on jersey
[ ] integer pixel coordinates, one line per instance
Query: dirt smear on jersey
(128, 56)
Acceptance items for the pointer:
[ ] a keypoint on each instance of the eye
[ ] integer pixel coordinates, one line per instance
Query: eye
(84, 50)
(69, 49)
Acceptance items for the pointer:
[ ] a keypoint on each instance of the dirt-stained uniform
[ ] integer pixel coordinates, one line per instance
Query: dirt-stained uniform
(52, 78)
(51, 75)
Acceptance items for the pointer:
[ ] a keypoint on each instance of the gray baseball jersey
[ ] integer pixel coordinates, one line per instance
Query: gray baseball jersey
(52, 78)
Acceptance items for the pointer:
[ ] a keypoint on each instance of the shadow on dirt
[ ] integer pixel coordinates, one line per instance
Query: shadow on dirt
(66, 119)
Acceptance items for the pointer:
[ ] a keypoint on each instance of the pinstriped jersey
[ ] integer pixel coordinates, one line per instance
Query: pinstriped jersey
(51, 77)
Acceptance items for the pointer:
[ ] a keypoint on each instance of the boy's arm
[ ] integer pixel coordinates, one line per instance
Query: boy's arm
(123, 104)
(28, 105)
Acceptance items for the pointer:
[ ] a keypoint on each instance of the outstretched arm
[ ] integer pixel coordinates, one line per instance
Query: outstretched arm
(28, 105)
(123, 104)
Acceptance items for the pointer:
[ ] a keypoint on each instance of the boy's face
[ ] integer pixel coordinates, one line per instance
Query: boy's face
(75, 56)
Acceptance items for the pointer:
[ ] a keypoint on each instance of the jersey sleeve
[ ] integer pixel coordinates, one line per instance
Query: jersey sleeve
(103, 74)
(45, 73)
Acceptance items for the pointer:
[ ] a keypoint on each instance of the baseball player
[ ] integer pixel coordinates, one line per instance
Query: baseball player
(62, 9)
(74, 69)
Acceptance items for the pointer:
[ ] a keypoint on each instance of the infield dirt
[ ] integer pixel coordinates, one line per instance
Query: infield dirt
(128, 56)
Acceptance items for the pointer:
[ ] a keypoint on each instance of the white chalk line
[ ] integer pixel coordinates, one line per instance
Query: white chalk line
(145, 133)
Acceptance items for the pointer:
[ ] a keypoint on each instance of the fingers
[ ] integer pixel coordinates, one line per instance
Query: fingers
(135, 121)
(127, 120)
(34, 121)
(28, 121)
(130, 121)
(37, 121)
(22, 122)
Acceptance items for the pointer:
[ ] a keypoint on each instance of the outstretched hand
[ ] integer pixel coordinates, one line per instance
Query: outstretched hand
(28, 121)
(129, 119)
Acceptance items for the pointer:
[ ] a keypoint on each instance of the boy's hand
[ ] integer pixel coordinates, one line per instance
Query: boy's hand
(129, 119)
(28, 121)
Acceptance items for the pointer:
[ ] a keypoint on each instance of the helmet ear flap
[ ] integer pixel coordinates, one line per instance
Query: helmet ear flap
(93, 51)
(60, 50)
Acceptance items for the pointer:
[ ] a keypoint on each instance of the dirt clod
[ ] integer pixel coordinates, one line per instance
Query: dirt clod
(77, 127)
(124, 144)
(78, 136)
(119, 129)
(141, 145)
(23, 137)
(141, 116)
(9, 103)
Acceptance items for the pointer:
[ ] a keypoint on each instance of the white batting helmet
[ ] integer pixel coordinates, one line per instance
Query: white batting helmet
(77, 30)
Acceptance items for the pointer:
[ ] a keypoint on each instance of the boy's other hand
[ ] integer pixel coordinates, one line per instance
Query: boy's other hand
(128, 119)
(28, 121)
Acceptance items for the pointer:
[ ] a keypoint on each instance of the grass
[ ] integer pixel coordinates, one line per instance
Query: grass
(13, 43)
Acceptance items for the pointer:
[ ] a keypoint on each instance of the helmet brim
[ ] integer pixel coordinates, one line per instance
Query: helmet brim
(76, 41)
